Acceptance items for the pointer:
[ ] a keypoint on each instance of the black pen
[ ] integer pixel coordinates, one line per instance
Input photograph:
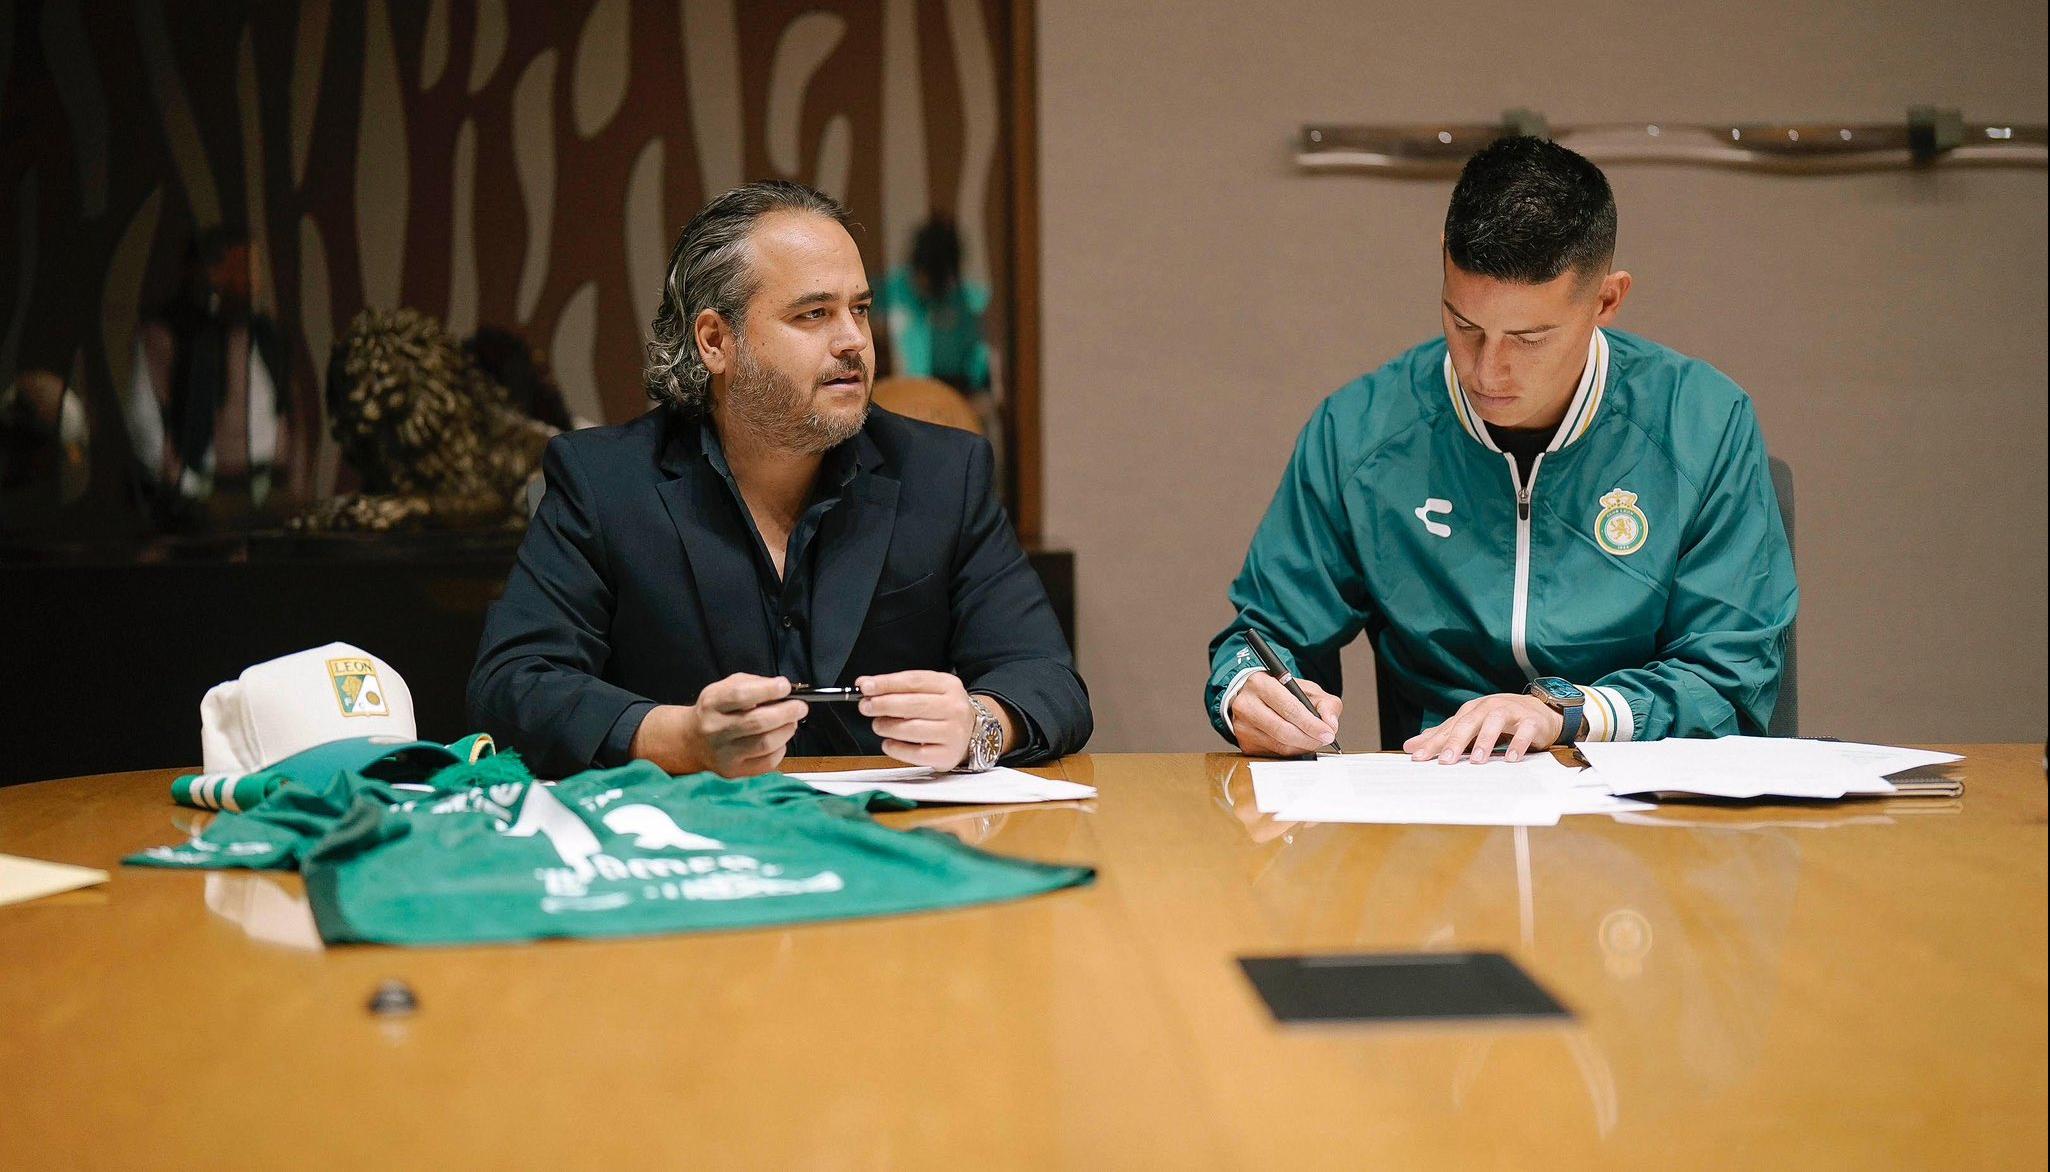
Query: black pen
(1279, 671)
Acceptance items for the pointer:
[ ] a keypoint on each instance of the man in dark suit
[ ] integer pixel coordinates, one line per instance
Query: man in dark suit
(763, 526)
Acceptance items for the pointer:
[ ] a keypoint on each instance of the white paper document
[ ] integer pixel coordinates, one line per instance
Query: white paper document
(1753, 767)
(999, 786)
(1389, 787)
(25, 879)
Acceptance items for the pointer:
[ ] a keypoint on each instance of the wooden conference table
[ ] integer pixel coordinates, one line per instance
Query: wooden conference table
(1848, 985)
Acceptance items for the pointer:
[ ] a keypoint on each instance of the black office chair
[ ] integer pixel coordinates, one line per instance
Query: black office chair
(1786, 711)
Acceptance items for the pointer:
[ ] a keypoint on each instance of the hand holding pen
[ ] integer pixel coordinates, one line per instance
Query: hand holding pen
(1276, 714)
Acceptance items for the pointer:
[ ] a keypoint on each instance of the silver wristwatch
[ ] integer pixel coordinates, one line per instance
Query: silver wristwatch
(986, 743)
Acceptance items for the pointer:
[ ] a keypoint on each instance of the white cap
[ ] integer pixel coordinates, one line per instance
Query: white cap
(285, 705)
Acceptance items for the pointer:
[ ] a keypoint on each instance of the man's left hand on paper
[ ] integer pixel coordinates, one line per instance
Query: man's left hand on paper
(1481, 723)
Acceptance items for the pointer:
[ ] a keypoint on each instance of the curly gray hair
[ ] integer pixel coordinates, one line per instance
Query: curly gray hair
(708, 269)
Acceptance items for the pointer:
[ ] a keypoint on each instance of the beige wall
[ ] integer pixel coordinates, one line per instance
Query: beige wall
(1201, 295)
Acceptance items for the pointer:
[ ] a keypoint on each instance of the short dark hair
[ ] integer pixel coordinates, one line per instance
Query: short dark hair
(1527, 209)
(708, 269)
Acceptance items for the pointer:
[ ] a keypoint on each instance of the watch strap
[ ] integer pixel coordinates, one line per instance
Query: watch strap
(1569, 723)
(1569, 710)
(985, 743)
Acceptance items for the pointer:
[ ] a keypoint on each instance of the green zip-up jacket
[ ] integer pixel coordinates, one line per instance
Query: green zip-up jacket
(1644, 560)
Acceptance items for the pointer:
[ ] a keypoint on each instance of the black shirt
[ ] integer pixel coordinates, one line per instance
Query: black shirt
(1526, 444)
(787, 601)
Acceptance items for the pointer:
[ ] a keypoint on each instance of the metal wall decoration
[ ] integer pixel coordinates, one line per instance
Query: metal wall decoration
(1928, 137)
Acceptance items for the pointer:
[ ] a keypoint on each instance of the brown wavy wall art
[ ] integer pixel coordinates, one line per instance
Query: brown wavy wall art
(514, 164)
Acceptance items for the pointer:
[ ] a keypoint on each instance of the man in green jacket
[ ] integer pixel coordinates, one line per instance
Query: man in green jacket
(1551, 530)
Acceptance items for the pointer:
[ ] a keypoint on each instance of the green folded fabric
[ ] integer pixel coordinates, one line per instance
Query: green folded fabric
(494, 856)
(239, 792)
(286, 807)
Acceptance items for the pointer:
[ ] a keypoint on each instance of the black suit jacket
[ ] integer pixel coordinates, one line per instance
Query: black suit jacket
(636, 582)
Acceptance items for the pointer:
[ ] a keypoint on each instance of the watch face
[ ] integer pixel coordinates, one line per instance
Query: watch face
(988, 738)
(1556, 689)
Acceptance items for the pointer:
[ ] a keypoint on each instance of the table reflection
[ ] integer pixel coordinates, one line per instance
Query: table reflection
(975, 825)
(1661, 931)
(263, 908)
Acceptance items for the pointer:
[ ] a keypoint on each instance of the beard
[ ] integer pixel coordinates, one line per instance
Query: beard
(784, 412)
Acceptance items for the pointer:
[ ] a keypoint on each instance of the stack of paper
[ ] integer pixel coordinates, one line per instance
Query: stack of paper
(1753, 767)
(999, 786)
(1538, 791)
(1369, 787)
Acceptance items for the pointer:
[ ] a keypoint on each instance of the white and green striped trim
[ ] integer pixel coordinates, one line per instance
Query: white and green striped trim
(1462, 407)
(1607, 713)
(1580, 413)
(206, 790)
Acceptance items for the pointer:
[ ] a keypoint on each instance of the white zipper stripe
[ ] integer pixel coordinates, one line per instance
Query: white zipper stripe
(1519, 616)
(1587, 397)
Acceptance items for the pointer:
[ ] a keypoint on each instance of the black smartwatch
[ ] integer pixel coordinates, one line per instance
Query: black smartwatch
(1564, 699)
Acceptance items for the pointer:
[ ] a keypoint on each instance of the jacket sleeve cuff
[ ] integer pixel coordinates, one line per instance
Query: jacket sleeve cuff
(617, 748)
(1231, 692)
(1608, 715)
(1031, 743)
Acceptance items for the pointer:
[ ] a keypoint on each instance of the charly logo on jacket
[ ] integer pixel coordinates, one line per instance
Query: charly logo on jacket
(1621, 527)
(1438, 505)
(358, 691)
